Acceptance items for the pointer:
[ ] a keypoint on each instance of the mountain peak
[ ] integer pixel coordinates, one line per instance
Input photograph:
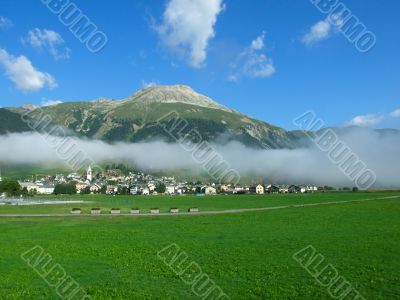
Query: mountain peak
(175, 94)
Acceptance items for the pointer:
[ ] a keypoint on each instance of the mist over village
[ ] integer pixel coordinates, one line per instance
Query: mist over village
(199, 149)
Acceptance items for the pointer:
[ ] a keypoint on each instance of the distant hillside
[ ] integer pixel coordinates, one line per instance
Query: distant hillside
(134, 119)
(11, 122)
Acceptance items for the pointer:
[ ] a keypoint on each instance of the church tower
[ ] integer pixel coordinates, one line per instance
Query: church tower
(89, 174)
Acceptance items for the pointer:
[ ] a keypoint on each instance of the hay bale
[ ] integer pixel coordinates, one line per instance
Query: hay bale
(95, 211)
(154, 211)
(115, 211)
(76, 211)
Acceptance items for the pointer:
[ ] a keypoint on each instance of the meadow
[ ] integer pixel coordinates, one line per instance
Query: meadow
(248, 255)
(164, 203)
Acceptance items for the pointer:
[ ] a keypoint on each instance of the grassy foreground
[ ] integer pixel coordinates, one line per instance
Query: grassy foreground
(248, 255)
(164, 203)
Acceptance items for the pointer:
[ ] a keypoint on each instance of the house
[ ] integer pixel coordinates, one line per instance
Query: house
(311, 189)
(209, 190)
(30, 186)
(112, 190)
(60, 178)
(170, 189)
(151, 187)
(239, 190)
(284, 189)
(224, 188)
(45, 189)
(94, 188)
(80, 186)
(73, 176)
(272, 189)
(257, 189)
(294, 189)
(134, 190)
(180, 190)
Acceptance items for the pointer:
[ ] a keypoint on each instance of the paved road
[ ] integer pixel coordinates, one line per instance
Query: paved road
(216, 212)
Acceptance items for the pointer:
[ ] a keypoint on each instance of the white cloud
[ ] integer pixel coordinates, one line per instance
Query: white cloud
(319, 31)
(5, 23)
(322, 30)
(188, 26)
(287, 166)
(20, 71)
(49, 40)
(258, 43)
(252, 62)
(366, 120)
(395, 114)
(45, 103)
(146, 84)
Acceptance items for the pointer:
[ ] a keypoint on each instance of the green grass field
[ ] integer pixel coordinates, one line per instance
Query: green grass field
(164, 203)
(248, 255)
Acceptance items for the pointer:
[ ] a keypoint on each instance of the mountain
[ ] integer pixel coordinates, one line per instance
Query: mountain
(11, 122)
(134, 119)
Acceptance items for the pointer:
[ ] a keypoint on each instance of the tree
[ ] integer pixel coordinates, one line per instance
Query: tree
(329, 188)
(10, 188)
(160, 188)
(65, 189)
(25, 192)
(124, 190)
(123, 168)
(86, 191)
(355, 189)
(103, 189)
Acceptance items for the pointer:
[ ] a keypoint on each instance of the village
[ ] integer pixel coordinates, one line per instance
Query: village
(114, 182)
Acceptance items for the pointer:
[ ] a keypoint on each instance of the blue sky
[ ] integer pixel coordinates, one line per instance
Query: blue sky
(272, 60)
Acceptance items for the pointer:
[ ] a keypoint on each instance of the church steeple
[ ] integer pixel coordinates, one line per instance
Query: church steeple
(89, 174)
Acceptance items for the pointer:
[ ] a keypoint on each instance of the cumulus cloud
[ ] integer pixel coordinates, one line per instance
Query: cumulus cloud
(25, 76)
(5, 22)
(322, 30)
(319, 31)
(188, 26)
(366, 120)
(300, 166)
(252, 62)
(258, 43)
(45, 103)
(147, 84)
(395, 114)
(49, 40)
